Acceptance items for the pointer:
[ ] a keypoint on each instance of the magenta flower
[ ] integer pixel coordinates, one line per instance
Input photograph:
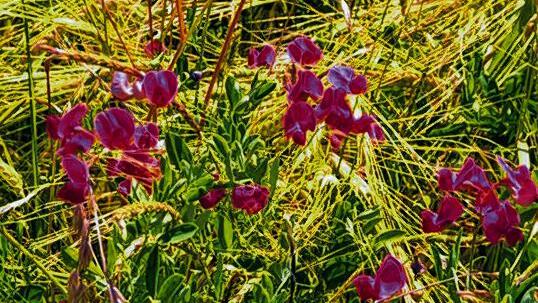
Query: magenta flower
(368, 124)
(139, 166)
(266, 57)
(304, 51)
(450, 209)
(388, 281)
(68, 129)
(299, 119)
(250, 198)
(154, 48)
(335, 110)
(76, 190)
(486, 201)
(123, 90)
(307, 85)
(470, 176)
(212, 198)
(502, 222)
(124, 187)
(344, 78)
(115, 128)
(335, 138)
(519, 180)
(160, 87)
(120, 87)
(146, 136)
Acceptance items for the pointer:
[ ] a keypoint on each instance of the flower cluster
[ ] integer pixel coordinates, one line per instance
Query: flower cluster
(499, 219)
(251, 198)
(73, 139)
(334, 108)
(159, 88)
(389, 280)
(115, 128)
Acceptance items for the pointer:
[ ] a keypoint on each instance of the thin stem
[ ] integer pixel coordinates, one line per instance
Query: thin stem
(150, 20)
(194, 25)
(23, 249)
(220, 61)
(181, 21)
(90, 59)
(33, 114)
(115, 27)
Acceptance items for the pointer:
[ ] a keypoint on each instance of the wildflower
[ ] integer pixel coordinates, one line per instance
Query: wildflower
(123, 90)
(519, 180)
(160, 87)
(120, 87)
(299, 119)
(450, 209)
(115, 128)
(251, 198)
(335, 110)
(124, 187)
(154, 48)
(304, 51)
(307, 85)
(388, 281)
(265, 57)
(344, 78)
(76, 190)
(146, 136)
(502, 222)
(470, 176)
(68, 129)
(212, 198)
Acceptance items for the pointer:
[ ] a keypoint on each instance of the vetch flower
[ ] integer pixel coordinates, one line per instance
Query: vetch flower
(250, 198)
(265, 57)
(68, 129)
(368, 124)
(154, 48)
(299, 119)
(160, 87)
(120, 87)
(450, 209)
(519, 180)
(76, 190)
(212, 197)
(115, 128)
(335, 110)
(124, 187)
(388, 281)
(344, 78)
(470, 176)
(502, 222)
(304, 51)
(307, 85)
(146, 136)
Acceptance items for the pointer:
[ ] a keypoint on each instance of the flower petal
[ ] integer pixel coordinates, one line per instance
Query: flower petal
(390, 278)
(115, 128)
(304, 51)
(364, 285)
(299, 119)
(160, 87)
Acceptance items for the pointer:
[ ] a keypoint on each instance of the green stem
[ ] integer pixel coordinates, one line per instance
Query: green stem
(30, 256)
(33, 114)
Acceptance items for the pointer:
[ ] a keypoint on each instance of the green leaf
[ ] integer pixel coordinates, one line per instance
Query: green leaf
(181, 233)
(177, 149)
(152, 271)
(225, 232)
(388, 236)
(261, 91)
(437, 264)
(273, 174)
(170, 288)
(530, 295)
(233, 91)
